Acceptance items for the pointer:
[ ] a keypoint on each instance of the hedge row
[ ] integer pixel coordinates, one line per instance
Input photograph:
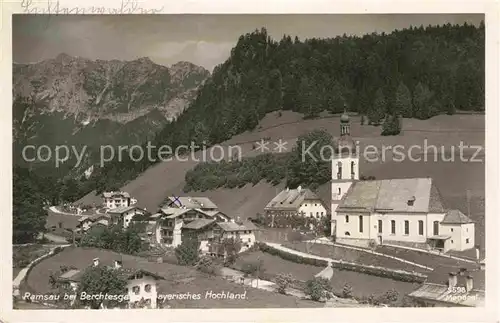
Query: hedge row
(399, 275)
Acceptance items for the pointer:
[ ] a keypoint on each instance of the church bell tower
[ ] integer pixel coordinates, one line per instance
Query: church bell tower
(345, 165)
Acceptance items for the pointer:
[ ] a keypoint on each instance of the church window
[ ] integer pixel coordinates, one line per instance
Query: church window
(340, 191)
(407, 227)
(379, 226)
(421, 227)
(346, 219)
(347, 233)
(393, 227)
(436, 228)
(360, 223)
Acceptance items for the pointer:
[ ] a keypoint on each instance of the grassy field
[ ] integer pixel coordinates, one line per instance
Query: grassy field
(274, 265)
(350, 255)
(178, 279)
(452, 178)
(22, 256)
(362, 284)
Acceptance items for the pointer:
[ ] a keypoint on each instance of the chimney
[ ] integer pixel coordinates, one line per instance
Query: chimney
(452, 280)
(96, 262)
(469, 283)
(299, 189)
(118, 264)
(288, 189)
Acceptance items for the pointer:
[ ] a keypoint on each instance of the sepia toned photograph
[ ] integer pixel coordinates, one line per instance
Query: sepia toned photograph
(248, 161)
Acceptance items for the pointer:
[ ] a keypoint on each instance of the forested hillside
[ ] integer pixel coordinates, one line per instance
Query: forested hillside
(415, 72)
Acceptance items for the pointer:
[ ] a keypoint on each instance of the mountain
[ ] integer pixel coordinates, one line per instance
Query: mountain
(77, 101)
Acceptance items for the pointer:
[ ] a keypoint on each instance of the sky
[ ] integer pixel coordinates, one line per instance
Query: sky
(204, 40)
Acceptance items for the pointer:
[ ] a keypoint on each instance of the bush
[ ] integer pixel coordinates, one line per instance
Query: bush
(390, 297)
(187, 252)
(283, 281)
(207, 265)
(347, 291)
(318, 288)
(252, 268)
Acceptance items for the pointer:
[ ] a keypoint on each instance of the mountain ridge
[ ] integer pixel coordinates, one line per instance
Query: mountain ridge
(77, 101)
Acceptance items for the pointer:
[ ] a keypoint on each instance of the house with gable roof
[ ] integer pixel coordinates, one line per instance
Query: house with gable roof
(180, 211)
(295, 202)
(142, 285)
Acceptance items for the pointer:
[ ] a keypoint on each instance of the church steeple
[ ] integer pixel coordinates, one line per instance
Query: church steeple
(345, 127)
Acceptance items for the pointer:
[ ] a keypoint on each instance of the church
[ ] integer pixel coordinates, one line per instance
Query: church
(405, 211)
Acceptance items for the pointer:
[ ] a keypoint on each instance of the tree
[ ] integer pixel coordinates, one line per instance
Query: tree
(318, 288)
(376, 114)
(187, 253)
(309, 161)
(403, 104)
(422, 100)
(391, 126)
(231, 247)
(101, 279)
(207, 265)
(347, 291)
(29, 196)
(389, 298)
(115, 238)
(253, 268)
(295, 237)
(283, 281)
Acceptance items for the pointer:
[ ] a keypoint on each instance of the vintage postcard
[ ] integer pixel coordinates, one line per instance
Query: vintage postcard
(330, 163)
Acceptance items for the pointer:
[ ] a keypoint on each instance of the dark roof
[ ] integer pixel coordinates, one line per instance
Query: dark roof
(72, 275)
(198, 224)
(111, 194)
(392, 195)
(123, 209)
(291, 199)
(190, 202)
(456, 217)
(232, 226)
(93, 217)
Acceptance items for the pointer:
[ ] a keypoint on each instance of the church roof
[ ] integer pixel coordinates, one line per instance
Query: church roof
(456, 217)
(393, 195)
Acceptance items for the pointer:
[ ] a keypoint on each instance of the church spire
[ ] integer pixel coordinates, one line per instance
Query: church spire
(345, 124)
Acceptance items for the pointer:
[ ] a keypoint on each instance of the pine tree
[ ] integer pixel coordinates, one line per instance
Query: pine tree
(377, 112)
(391, 126)
(422, 101)
(403, 104)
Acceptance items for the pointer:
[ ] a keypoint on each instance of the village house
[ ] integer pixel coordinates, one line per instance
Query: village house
(142, 285)
(211, 233)
(294, 202)
(113, 200)
(88, 221)
(460, 291)
(124, 214)
(171, 218)
(407, 211)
